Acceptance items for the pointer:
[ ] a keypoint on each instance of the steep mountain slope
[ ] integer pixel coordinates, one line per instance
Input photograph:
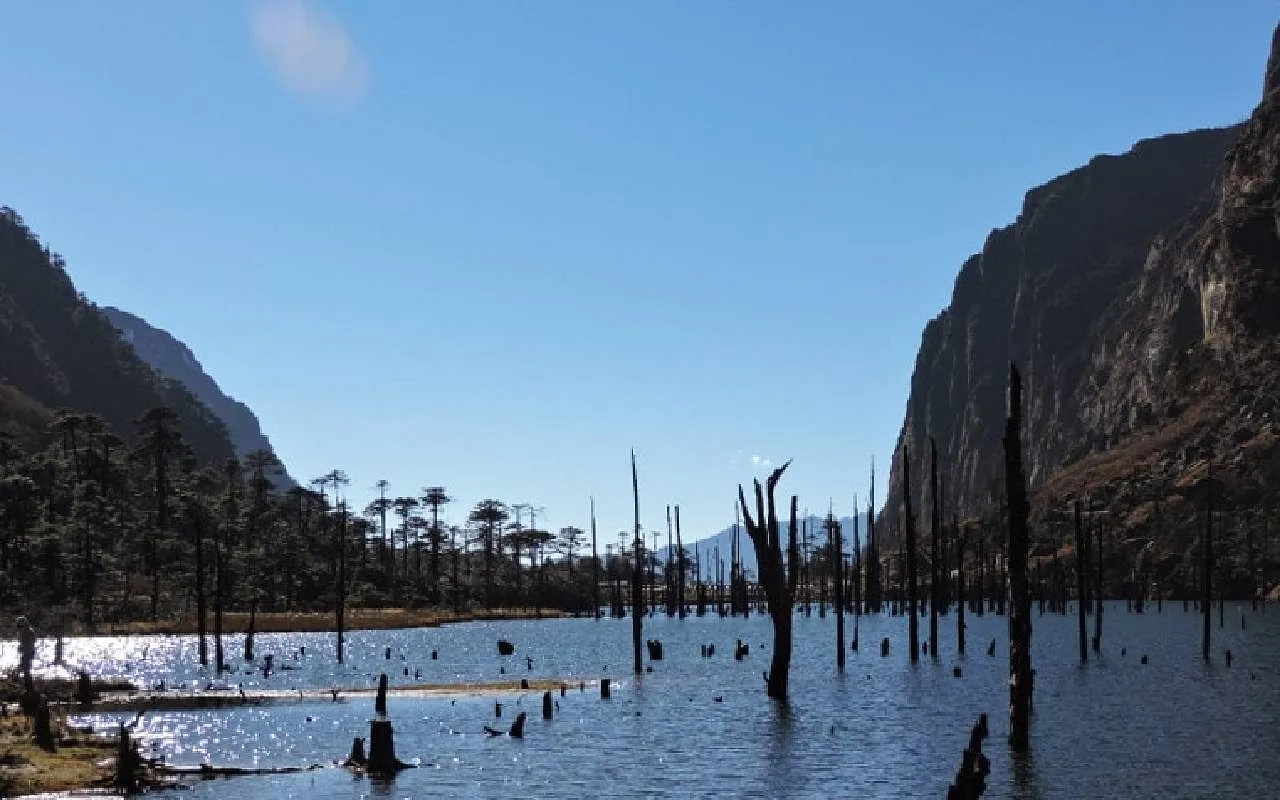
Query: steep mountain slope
(174, 360)
(1189, 377)
(1141, 296)
(1040, 293)
(58, 351)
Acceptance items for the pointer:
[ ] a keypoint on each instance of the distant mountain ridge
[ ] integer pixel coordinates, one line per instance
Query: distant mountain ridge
(174, 360)
(724, 540)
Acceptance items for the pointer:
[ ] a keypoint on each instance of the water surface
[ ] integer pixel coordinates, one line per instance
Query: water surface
(695, 727)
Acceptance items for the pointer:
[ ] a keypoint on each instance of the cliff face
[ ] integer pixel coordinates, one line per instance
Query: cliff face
(1141, 295)
(1042, 292)
(174, 360)
(58, 351)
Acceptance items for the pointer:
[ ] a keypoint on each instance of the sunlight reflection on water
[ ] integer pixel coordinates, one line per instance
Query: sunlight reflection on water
(883, 729)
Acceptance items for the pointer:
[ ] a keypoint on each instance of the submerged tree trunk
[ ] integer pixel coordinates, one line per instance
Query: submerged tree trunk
(1082, 584)
(1020, 679)
(935, 592)
(340, 591)
(637, 572)
(836, 537)
(909, 546)
(201, 611)
(681, 567)
(779, 578)
(595, 565)
(1206, 569)
(960, 598)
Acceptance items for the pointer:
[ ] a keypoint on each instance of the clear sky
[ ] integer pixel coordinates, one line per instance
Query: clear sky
(494, 245)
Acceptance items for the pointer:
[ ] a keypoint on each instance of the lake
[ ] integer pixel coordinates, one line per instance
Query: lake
(696, 727)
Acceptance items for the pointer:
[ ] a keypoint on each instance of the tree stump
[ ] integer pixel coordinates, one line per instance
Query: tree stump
(357, 757)
(43, 724)
(84, 690)
(380, 702)
(604, 689)
(546, 705)
(505, 648)
(655, 649)
(884, 647)
(517, 727)
(128, 763)
(382, 748)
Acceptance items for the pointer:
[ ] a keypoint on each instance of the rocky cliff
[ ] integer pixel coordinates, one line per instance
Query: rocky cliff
(1141, 296)
(174, 360)
(1042, 292)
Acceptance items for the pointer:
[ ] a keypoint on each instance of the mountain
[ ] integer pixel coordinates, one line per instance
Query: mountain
(174, 360)
(724, 540)
(58, 351)
(1139, 296)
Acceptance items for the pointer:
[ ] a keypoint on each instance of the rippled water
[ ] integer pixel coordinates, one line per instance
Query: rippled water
(1175, 727)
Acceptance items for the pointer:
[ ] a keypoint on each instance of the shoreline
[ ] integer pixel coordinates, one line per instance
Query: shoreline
(85, 761)
(356, 619)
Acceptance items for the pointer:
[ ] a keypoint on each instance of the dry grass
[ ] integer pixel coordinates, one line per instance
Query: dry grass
(27, 769)
(311, 622)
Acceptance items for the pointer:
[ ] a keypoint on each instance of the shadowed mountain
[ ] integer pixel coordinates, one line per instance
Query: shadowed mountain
(58, 351)
(174, 360)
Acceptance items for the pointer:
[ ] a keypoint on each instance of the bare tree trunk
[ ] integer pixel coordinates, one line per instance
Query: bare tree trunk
(340, 591)
(1206, 568)
(935, 593)
(909, 546)
(1082, 584)
(1020, 684)
(837, 550)
(637, 574)
(595, 565)
(779, 579)
(960, 595)
(681, 567)
(201, 620)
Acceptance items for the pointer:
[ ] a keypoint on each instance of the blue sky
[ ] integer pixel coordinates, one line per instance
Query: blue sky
(494, 245)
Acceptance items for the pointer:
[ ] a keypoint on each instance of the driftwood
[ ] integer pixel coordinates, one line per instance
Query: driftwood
(971, 779)
(516, 731)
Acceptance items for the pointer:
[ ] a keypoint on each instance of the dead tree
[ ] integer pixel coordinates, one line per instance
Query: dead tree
(836, 538)
(779, 581)
(960, 589)
(1206, 568)
(1020, 678)
(1082, 584)
(909, 545)
(934, 571)
(681, 567)
(637, 598)
(595, 566)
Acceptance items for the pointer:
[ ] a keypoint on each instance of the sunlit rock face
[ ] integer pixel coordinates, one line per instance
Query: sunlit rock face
(1140, 294)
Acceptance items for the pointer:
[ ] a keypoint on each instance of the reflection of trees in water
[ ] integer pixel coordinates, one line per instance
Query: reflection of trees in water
(1026, 780)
